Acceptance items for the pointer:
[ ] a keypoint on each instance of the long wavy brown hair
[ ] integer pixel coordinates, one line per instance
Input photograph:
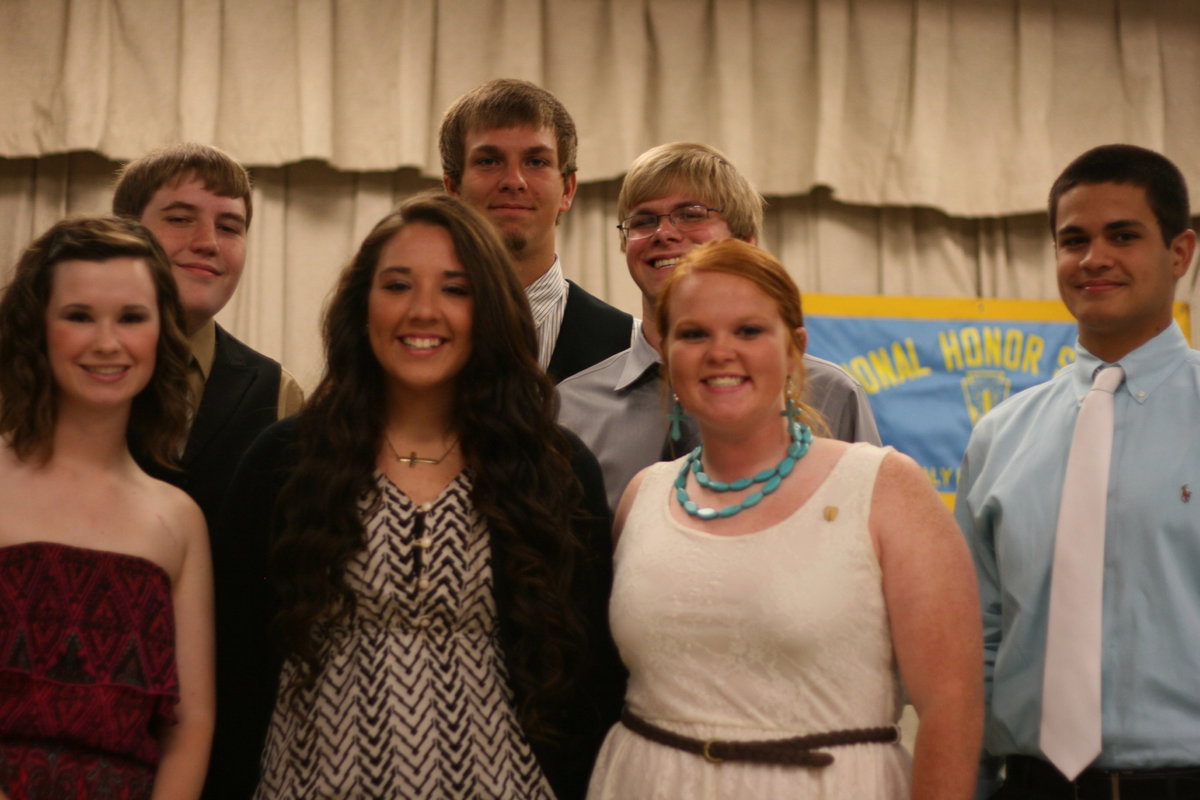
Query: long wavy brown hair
(28, 394)
(523, 483)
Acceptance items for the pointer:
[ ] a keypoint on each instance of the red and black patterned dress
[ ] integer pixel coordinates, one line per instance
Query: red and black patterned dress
(87, 672)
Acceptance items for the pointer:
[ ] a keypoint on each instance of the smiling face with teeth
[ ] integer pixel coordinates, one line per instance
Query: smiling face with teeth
(651, 260)
(729, 351)
(419, 312)
(102, 327)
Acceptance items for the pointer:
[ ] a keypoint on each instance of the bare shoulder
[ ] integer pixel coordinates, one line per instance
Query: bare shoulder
(905, 503)
(175, 523)
(901, 472)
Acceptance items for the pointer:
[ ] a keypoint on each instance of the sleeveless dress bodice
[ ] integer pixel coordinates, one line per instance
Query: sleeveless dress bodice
(782, 632)
(412, 697)
(87, 672)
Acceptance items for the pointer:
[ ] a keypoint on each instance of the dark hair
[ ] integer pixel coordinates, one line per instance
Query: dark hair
(28, 394)
(735, 257)
(217, 170)
(504, 103)
(1166, 190)
(523, 484)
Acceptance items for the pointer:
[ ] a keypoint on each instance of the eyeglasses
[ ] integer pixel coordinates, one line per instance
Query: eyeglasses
(684, 218)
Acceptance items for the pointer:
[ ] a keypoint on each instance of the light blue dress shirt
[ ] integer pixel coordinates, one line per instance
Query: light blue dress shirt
(1007, 505)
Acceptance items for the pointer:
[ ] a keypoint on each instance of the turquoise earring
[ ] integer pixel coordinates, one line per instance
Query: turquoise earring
(676, 416)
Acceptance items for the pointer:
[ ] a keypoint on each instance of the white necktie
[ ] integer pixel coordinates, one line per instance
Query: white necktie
(1070, 734)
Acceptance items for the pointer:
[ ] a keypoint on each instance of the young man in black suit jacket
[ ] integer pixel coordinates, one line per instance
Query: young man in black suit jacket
(196, 200)
(508, 149)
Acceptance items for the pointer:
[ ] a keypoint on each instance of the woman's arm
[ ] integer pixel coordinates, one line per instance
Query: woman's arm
(933, 609)
(185, 745)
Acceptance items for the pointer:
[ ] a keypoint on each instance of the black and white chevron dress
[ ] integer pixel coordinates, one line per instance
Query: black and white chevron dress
(412, 699)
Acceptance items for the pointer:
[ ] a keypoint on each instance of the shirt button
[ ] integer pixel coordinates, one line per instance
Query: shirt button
(1141, 395)
(423, 622)
(425, 542)
(423, 584)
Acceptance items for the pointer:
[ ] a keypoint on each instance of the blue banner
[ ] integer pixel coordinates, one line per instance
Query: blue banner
(932, 368)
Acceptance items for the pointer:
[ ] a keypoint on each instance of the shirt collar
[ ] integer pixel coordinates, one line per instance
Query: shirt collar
(203, 344)
(1145, 368)
(545, 293)
(641, 358)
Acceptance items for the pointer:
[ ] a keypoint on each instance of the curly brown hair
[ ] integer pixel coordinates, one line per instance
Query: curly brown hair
(28, 394)
(523, 484)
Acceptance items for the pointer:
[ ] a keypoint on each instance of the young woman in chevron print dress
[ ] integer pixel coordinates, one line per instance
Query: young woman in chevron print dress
(106, 673)
(442, 558)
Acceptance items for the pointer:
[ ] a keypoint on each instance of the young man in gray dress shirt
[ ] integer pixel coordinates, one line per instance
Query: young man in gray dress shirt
(618, 407)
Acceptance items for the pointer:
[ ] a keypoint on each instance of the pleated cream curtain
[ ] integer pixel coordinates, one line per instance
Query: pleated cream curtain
(905, 146)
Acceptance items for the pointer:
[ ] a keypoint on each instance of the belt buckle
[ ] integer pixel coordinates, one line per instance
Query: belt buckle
(708, 755)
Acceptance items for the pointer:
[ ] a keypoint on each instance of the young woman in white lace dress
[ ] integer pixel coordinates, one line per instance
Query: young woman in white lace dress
(774, 590)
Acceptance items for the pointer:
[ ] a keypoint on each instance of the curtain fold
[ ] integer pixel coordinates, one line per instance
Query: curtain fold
(905, 146)
(963, 105)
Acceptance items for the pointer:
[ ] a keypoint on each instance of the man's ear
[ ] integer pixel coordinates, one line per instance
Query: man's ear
(1182, 250)
(450, 185)
(570, 184)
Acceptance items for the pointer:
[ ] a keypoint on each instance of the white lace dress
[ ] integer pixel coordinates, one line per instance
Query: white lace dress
(779, 633)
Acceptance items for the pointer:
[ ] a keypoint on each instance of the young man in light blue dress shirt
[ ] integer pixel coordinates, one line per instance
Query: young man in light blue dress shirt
(684, 194)
(1119, 216)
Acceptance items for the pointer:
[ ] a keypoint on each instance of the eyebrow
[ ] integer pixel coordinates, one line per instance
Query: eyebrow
(447, 273)
(491, 149)
(641, 207)
(182, 205)
(1115, 225)
(89, 307)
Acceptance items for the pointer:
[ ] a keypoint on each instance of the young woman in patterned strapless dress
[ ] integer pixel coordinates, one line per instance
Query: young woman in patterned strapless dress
(442, 556)
(106, 642)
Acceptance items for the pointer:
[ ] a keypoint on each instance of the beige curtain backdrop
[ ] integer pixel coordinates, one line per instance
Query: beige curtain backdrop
(905, 146)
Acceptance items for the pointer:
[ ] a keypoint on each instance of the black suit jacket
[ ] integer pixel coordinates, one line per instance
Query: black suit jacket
(240, 400)
(591, 331)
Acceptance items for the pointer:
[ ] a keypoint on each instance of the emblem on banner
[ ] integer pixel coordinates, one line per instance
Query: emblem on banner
(983, 389)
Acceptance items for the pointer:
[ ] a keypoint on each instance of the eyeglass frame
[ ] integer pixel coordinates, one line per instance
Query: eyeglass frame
(623, 225)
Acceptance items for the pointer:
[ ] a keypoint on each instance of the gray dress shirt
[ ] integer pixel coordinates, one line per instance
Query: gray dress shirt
(619, 409)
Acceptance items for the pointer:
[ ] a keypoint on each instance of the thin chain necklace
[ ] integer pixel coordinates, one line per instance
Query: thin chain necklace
(770, 478)
(413, 459)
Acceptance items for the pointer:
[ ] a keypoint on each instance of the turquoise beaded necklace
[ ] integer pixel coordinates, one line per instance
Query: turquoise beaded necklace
(769, 478)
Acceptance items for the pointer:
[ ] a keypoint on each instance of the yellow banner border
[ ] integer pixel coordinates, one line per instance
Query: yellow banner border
(959, 308)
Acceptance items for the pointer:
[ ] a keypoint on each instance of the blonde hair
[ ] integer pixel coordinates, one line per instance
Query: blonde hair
(692, 166)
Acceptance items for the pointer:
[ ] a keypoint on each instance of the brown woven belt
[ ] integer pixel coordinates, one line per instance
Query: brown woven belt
(799, 751)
